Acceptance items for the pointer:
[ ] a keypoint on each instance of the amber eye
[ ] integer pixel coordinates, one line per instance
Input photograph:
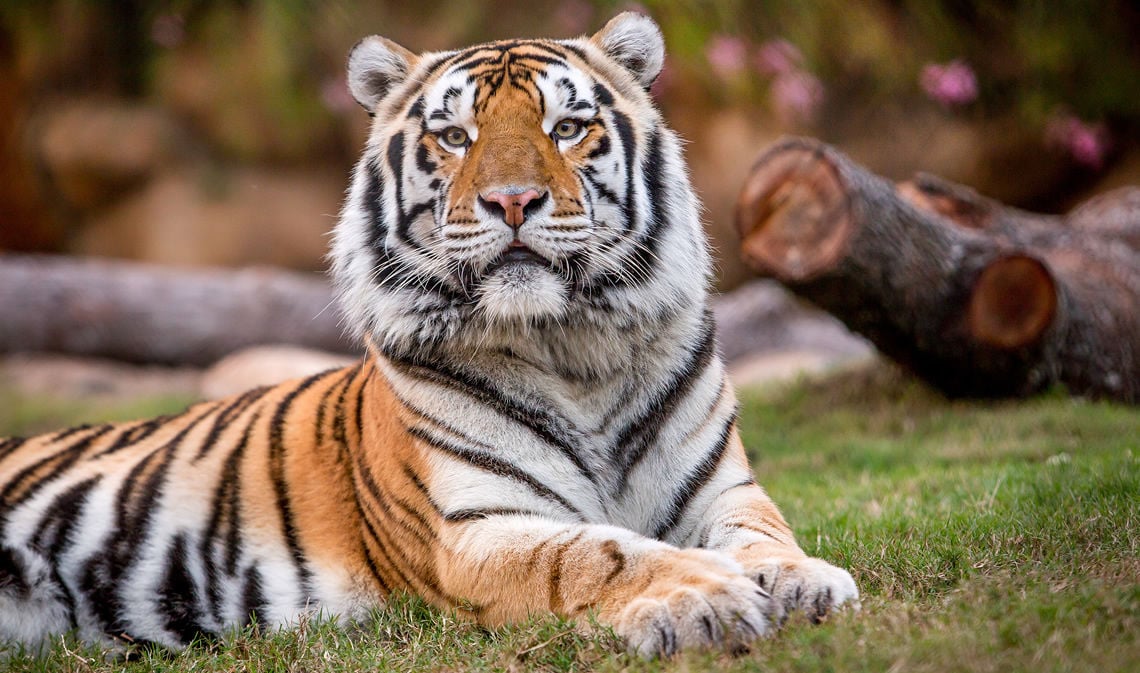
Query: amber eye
(454, 136)
(567, 129)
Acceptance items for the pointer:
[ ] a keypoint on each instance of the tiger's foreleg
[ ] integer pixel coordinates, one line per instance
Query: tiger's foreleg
(659, 598)
(743, 522)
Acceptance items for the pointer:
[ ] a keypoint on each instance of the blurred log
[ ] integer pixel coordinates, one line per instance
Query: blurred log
(149, 314)
(978, 298)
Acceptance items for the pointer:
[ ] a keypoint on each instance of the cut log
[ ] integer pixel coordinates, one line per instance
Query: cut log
(980, 299)
(149, 314)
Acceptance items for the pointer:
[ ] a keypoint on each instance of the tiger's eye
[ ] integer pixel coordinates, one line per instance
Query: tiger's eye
(567, 129)
(454, 136)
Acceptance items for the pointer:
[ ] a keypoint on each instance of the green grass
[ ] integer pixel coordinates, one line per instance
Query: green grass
(1001, 536)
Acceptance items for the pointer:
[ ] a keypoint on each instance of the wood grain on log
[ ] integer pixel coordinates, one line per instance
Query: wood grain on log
(978, 298)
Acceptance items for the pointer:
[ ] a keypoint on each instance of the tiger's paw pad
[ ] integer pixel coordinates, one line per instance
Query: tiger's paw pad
(725, 612)
(810, 585)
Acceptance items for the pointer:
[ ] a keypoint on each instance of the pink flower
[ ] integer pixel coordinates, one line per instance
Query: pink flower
(726, 55)
(1087, 144)
(573, 16)
(949, 84)
(168, 30)
(796, 96)
(776, 57)
(335, 95)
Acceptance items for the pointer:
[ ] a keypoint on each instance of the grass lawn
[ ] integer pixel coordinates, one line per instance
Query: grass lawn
(996, 536)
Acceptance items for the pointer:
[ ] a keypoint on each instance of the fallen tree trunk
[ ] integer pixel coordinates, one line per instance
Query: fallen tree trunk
(978, 298)
(150, 314)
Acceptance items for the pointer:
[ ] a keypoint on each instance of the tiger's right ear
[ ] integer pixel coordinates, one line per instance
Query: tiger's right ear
(375, 65)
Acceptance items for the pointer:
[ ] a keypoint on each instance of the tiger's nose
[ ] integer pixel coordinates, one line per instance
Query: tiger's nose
(513, 208)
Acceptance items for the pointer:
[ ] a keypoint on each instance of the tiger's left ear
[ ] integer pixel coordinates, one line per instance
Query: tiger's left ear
(635, 42)
(375, 65)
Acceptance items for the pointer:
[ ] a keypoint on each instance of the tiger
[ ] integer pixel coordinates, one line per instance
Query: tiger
(542, 423)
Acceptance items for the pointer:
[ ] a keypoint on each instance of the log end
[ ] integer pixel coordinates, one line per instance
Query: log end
(793, 213)
(1013, 302)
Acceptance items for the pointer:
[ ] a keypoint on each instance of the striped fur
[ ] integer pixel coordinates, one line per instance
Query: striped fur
(548, 431)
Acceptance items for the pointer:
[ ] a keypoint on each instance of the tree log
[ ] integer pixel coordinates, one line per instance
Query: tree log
(980, 299)
(150, 314)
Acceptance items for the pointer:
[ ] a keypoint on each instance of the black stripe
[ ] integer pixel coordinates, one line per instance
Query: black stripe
(625, 134)
(253, 598)
(227, 415)
(420, 568)
(323, 404)
(55, 464)
(421, 487)
(58, 522)
(9, 445)
(589, 174)
(495, 466)
(553, 430)
(132, 435)
(412, 86)
(225, 508)
(53, 531)
(417, 109)
(603, 147)
(423, 535)
(68, 432)
(105, 574)
(642, 260)
(644, 256)
(383, 547)
(695, 481)
(603, 94)
(373, 199)
(339, 421)
(177, 595)
(395, 154)
(576, 50)
(484, 512)
(640, 434)
(278, 479)
(13, 574)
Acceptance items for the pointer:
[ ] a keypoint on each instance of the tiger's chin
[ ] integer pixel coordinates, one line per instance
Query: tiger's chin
(522, 292)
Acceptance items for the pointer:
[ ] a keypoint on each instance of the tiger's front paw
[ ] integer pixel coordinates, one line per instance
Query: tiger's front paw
(694, 602)
(811, 585)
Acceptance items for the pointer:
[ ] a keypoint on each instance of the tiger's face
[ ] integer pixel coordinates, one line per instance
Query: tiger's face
(514, 183)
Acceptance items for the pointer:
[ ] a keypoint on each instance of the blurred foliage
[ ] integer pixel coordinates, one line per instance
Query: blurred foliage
(1028, 100)
(263, 78)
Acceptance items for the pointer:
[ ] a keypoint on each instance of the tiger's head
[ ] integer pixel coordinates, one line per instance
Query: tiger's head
(515, 186)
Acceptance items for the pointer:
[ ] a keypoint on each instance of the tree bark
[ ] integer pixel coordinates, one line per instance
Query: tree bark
(980, 299)
(149, 314)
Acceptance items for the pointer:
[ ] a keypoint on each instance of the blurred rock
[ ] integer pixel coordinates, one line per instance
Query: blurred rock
(762, 318)
(265, 365)
(94, 151)
(244, 216)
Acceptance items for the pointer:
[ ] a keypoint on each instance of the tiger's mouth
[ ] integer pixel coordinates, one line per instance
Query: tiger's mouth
(518, 254)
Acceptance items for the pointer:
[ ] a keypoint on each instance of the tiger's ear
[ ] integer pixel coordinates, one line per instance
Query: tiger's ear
(375, 65)
(635, 42)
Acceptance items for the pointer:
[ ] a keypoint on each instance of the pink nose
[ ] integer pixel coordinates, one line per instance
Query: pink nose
(513, 206)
